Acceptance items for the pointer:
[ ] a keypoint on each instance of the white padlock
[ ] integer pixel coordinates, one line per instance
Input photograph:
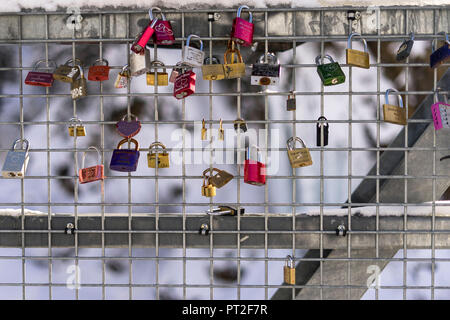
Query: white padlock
(193, 56)
(16, 160)
(139, 63)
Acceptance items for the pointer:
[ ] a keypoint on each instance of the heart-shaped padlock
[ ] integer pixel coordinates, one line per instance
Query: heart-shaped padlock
(128, 129)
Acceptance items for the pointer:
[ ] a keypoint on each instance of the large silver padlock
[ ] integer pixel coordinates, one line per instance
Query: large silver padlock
(16, 160)
(265, 74)
(193, 56)
(139, 63)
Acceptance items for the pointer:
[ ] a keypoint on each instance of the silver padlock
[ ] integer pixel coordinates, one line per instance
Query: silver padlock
(193, 56)
(139, 63)
(16, 161)
(266, 74)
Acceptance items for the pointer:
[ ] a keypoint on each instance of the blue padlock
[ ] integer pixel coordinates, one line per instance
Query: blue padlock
(440, 55)
(125, 160)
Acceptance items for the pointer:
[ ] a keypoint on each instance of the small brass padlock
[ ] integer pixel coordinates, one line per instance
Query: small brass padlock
(298, 157)
(154, 156)
(357, 58)
(219, 179)
(204, 131)
(391, 113)
(123, 78)
(221, 131)
(78, 88)
(162, 77)
(291, 102)
(208, 190)
(239, 123)
(289, 271)
(212, 69)
(233, 69)
(76, 127)
(16, 161)
(66, 72)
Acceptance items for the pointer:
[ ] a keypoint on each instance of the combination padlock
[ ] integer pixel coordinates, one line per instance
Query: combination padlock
(42, 79)
(291, 102)
(91, 174)
(212, 69)
(391, 113)
(192, 56)
(289, 270)
(208, 190)
(242, 30)
(123, 78)
(265, 74)
(233, 68)
(139, 63)
(405, 48)
(322, 131)
(125, 160)
(298, 157)
(78, 88)
(76, 128)
(66, 72)
(158, 156)
(99, 72)
(357, 58)
(330, 73)
(162, 77)
(143, 38)
(441, 113)
(254, 170)
(184, 85)
(128, 128)
(219, 179)
(163, 34)
(442, 54)
(16, 161)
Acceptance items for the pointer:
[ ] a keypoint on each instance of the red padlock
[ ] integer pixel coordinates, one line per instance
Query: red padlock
(93, 173)
(142, 39)
(42, 79)
(99, 72)
(254, 171)
(242, 30)
(163, 29)
(184, 85)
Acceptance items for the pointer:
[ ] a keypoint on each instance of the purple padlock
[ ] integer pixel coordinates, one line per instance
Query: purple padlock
(125, 160)
(42, 79)
(242, 30)
(128, 129)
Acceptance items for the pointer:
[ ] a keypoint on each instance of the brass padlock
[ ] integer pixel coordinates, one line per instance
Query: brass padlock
(219, 179)
(233, 69)
(66, 72)
(76, 127)
(289, 271)
(154, 155)
(123, 78)
(239, 123)
(139, 63)
(212, 69)
(221, 131)
(204, 131)
(357, 58)
(16, 160)
(391, 113)
(78, 88)
(208, 190)
(162, 77)
(298, 157)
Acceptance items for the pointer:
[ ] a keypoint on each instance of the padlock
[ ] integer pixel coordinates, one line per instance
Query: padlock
(128, 128)
(208, 190)
(158, 156)
(341, 230)
(441, 114)
(212, 69)
(142, 38)
(204, 229)
(442, 54)
(204, 131)
(405, 48)
(70, 228)
(99, 72)
(16, 161)
(66, 72)
(184, 85)
(391, 113)
(123, 78)
(219, 179)
(357, 58)
(225, 211)
(192, 56)
(221, 131)
(242, 30)
(162, 77)
(298, 157)
(93, 173)
(76, 127)
(240, 124)
(233, 69)
(322, 131)
(265, 74)
(291, 102)
(78, 88)
(289, 270)
(163, 29)
(176, 71)
(254, 171)
(330, 73)
(139, 63)
(125, 160)
(42, 79)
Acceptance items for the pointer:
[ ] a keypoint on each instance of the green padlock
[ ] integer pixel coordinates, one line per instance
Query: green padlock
(330, 73)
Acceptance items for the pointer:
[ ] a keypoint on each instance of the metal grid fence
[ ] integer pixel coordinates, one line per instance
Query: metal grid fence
(370, 240)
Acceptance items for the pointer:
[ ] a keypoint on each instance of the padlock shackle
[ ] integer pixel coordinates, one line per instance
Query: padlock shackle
(290, 261)
(349, 41)
(411, 35)
(436, 95)
(433, 46)
(37, 63)
(325, 124)
(324, 57)
(232, 52)
(211, 60)
(150, 13)
(294, 140)
(74, 61)
(210, 170)
(131, 116)
(121, 142)
(188, 40)
(84, 156)
(271, 58)
(27, 144)
(248, 151)
(75, 121)
(101, 60)
(125, 68)
(250, 16)
(206, 178)
(156, 144)
(386, 97)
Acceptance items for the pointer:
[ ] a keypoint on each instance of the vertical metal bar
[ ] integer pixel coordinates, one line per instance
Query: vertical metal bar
(378, 117)
(183, 150)
(266, 188)
(322, 113)
(433, 203)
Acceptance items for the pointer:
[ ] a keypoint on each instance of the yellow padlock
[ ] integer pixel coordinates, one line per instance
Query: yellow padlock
(298, 157)
(394, 114)
(233, 69)
(208, 190)
(76, 126)
(153, 155)
(163, 77)
(213, 70)
(357, 58)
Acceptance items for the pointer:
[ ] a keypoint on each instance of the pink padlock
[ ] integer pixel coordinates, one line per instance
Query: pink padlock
(43, 79)
(184, 85)
(441, 114)
(254, 171)
(163, 29)
(142, 39)
(93, 173)
(242, 30)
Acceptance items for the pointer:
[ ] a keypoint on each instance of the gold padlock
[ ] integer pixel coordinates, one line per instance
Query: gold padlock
(163, 77)
(289, 271)
(212, 69)
(298, 157)
(153, 155)
(78, 88)
(76, 126)
(219, 179)
(208, 190)
(357, 58)
(391, 113)
(221, 131)
(67, 72)
(204, 130)
(233, 69)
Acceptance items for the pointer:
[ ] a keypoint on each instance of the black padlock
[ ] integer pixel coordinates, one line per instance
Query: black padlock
(319, 132)
(70, 228)
(240, 124)
(204, 229)
(405, 48)
(291, 104)
(341, 230)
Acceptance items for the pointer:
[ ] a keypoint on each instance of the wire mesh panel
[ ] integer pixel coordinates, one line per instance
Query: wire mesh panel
(368, 219)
